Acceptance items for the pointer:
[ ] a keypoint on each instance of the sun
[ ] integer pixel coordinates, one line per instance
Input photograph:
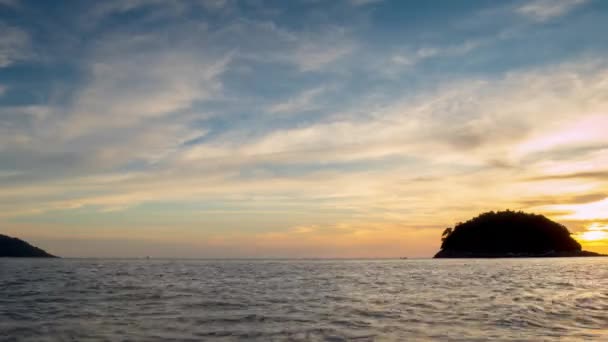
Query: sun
(595, 238)
(592, 235)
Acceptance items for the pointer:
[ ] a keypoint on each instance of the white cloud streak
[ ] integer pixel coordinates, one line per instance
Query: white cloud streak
(544, 10)
(299, 103)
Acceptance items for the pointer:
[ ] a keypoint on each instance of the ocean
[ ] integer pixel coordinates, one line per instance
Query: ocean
(304, 300)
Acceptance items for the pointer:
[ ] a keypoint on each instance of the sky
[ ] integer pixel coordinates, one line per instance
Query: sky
(305, 128)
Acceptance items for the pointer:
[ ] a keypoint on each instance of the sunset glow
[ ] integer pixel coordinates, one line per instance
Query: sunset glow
(297, 129)
(595, 238)
(585, 211)
(592, 235)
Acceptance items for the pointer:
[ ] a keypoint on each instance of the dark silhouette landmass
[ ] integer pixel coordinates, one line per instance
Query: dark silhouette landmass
(507, 234)
(16, 248)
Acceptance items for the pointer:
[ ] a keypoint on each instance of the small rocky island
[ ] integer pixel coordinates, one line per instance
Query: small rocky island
(509, 234)
(16, 248)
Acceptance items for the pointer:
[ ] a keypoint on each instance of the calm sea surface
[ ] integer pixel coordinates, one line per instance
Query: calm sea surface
(330, 300)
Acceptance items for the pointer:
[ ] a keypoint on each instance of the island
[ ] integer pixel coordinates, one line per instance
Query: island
(16, 248)
(509, 234)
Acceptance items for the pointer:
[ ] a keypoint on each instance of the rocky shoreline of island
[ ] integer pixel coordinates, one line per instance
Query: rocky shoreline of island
(450, 254)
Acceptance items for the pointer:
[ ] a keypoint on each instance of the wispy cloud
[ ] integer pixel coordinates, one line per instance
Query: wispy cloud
(543, 10)
(145, 86)
(9, 3)
(14, 45)
(409, 130)
(407, 60)
(299, 103)
(430, 52)
(312, 56)
(363, 2)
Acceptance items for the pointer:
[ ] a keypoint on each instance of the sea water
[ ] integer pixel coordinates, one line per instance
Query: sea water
(331, 300)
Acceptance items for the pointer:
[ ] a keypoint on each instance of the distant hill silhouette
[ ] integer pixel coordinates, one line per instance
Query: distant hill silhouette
(13, 247)
(509, 234)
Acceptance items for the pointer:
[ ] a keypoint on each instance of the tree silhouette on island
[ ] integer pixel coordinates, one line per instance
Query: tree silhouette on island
(16, 248)
(509, 233)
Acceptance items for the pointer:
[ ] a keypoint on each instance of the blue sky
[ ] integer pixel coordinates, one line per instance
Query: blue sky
(302, 128)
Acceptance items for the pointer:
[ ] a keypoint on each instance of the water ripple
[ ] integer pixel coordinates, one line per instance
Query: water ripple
(190, 300)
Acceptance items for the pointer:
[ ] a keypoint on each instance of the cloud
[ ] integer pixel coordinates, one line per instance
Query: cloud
(144, 86)
(133, 108)
(583, 132)
(9, 3)
(423, 130)
(408, 126)
(602, 175)
(543, 10)
(301, 102)
(111, 7)
(430, 52)
(572, 199)
(406, 60)
(363, 2)
(215, 4)
(314, 56)
(586, 211)
(430, 135)
(309, 51)
(14, 45)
